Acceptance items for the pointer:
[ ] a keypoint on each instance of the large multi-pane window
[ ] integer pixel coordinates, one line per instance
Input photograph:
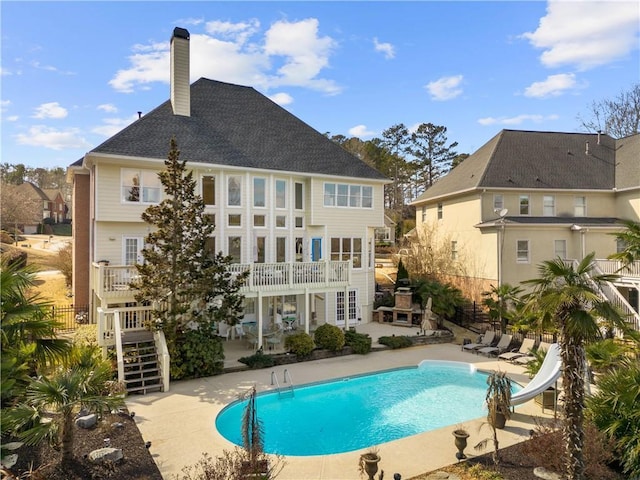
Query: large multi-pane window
(281, 194)
(580, 206)
(235, 249)
(522, 251)
(132, 250)
(209, 189)
(347, 249)
(348, 311)
(234, 191)
(549, 205)
(142, 186)
(560, 249)
(344, 195)
(259, 192)
(524, 204)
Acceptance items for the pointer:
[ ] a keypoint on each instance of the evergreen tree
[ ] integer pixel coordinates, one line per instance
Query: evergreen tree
(180, 279)
(433, 156)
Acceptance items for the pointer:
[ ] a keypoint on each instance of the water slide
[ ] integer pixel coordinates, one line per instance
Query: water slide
(546, 376)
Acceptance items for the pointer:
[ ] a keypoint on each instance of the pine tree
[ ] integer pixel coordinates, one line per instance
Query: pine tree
(179, 278)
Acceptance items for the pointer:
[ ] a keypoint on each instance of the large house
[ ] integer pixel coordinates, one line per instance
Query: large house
(41, 204)
(289, 205)
(525, 197)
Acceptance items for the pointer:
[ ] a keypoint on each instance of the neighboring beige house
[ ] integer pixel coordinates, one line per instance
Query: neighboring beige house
(386, 234)
(525, 197)
(290, 205)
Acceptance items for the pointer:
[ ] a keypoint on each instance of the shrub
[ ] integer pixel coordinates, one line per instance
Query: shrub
(86, 335)
(6, 237)
(15, 257)
(396, 342)
(329, 337)
(258, 360)
(359, 342)
(197, 353)
(386, 300)
(300, 344)
(64, 262)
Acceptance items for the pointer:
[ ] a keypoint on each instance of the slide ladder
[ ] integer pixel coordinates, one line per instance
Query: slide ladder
(287, 387)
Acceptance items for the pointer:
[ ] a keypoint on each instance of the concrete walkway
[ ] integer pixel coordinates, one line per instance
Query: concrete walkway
(181, 423)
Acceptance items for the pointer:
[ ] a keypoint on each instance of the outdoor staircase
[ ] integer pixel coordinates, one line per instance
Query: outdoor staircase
(141, 367)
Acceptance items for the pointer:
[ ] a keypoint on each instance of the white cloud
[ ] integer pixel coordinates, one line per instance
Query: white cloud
(4, 72)
(12, 118)
(50, 110)
(54, 139)
(586, 34)
(386, 48)
(287, 54)
(107, 107)
(281, 98)
(553, 86)
(517, 120)
(4, 104)
(445, 88)
(361, 131)
(112, 126)
(49, 68)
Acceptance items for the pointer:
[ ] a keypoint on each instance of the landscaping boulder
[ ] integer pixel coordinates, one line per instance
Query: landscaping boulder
(88, 421)
(106, 454)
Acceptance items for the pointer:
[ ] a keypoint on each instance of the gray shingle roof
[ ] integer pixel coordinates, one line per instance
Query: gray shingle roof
(544, 160)
(236, 126)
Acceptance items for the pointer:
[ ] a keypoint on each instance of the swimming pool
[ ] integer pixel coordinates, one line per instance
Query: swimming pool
(356, 412)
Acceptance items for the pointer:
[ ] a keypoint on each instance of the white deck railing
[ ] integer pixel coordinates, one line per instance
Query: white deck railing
(615, 267)
(130, 319)
(114, 282)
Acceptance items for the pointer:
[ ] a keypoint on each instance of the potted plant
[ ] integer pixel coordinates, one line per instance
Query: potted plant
(369, 463)
(498, 400)
(461, 436)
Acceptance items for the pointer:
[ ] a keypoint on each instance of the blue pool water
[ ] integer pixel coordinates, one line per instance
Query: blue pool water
(351, 413)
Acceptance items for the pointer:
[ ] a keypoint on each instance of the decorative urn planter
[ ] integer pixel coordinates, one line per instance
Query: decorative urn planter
(369, 463)
(460, 442)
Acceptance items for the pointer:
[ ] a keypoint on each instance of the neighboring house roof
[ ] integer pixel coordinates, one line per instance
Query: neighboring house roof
(33, 190)
(236, 126)
(579, 221)
(52, 194)
(516, 159)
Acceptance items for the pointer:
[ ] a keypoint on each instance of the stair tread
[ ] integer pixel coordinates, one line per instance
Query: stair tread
(143, 379)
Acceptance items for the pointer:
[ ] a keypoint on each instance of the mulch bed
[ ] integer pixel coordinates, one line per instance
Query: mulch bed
(137, 463)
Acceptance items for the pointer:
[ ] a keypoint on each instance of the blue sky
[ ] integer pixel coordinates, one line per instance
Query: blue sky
(74, 73)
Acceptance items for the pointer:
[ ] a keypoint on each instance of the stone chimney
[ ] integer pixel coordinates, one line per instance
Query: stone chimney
(180, 88)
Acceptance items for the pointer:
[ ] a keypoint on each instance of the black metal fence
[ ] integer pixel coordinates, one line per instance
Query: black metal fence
(70, 316)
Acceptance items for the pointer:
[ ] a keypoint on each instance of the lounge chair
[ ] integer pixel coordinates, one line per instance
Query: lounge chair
(502, 346)
(523, 351)
(528, 358)
(223, 330)
(485, 341)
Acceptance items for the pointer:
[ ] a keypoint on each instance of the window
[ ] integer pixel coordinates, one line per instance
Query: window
(210, 246)
(235, 249)
(281, 221)
(548, 206)
(424, 214)
(259, 192)
(342, 195)
(522, 254)
(340, 308)
(235, 220)
(281, 249)
(259, 220)
(299, 222)
(209, 190)
(141, 186)
(440, 211)
(560, 249)
(346, 312)
(281, 194)
(234, 191)
(249, 306)
(498, 202)
(524, 204)
(580, 206)
(211, 218)
(299, 247)
(621, 245)
(299, 196)
(259, 256)
(454, 249)
(133, 250)
(347, 249)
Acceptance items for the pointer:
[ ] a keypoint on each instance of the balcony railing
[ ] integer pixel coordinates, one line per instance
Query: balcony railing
(114, 282)
(615, 267)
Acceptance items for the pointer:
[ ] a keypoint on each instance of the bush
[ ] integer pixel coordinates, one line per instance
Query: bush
(359, 342)
(300, 344)
(6, 237)
(396, 342)
(64, 262)
(258, 360)
(15, 257)
(386, 300)
(329, 337)
(197, 353)
(86, 335)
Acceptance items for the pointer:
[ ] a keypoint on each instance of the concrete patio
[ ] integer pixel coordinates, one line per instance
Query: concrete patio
(181, 423)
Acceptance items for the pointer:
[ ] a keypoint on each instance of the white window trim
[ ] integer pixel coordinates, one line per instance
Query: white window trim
(528, 260)
(520, 198)
(553, 206)
(215, 190)
(348, 186)
(253, 192)
(275, 193)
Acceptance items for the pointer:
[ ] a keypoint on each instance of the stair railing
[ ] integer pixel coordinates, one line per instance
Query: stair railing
(118, 340)
(164, 360)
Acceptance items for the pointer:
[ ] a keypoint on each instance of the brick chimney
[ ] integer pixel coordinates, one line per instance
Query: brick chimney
(180, 93)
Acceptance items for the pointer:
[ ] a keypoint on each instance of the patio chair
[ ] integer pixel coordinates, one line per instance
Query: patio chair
(524, 350)
(239, 330)
(502, 346)
(223, 330)
(485, 341)
(528, 358)
(289, 322)
(274, 339)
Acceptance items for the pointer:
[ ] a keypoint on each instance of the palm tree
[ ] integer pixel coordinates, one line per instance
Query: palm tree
(502, 302)
(630, 238)
(51, 402)
(567, 298)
